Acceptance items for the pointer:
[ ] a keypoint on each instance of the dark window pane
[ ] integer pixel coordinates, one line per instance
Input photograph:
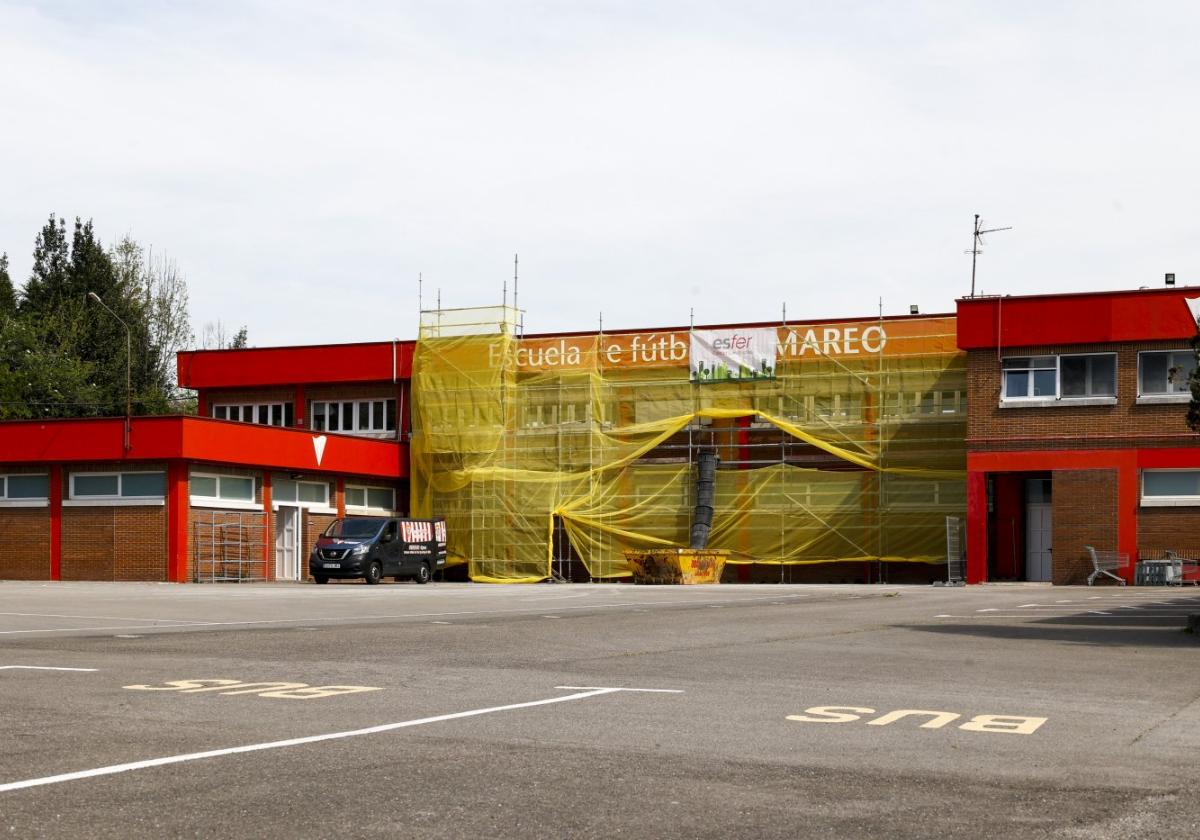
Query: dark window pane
(377, 416)
(1153, 373)
(390, 410)
(203, 485)
(380, 498)
(347, 417)
(1104, 375)
(276, 415)
(1015, 363)
(364, 417)
(310, 492)
(1171, 483)
(144, 484)
(289, 416)
(1074, 376)
(28, 486)
(356, 497)
(1043, 383)
(96, 485)
(264, 414)
(333, 417)
(220, 412)
(1016, 383)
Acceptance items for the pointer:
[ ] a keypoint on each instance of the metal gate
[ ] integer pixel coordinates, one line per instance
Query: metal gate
(229, 551)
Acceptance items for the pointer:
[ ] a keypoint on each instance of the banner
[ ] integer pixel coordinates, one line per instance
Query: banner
(733, 355)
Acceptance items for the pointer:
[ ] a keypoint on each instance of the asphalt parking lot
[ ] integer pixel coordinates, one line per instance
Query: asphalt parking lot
(453, 710)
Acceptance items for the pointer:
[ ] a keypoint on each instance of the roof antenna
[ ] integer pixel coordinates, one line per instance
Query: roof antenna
(520, 319)
(976, 242)
(420, 289)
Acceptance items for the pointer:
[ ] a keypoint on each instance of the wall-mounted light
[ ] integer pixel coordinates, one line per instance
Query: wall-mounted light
(913, 310)
(1170, 278)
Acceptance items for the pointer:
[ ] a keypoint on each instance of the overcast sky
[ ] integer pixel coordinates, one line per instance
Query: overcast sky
(304, 161)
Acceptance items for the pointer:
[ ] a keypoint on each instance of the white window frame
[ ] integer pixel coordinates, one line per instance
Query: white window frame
(1058, 399)
(311, 507)
(217, 501)
(366, 496)
(360, 429)
(283, 407)
(117, 500)
(24, 502)
(1166, 501)
(1169, 397)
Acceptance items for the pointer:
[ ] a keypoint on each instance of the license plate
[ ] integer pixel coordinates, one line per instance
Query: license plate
(331, 565)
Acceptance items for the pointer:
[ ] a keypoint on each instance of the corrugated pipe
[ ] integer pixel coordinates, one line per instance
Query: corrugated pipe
(706, 479)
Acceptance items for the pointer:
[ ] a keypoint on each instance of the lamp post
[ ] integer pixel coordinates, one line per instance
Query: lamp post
(128, 365)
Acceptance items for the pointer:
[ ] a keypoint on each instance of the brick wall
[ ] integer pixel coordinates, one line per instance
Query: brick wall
(1163, 528)
(314, 524)
(226, 544)
(1071, 425)
(114, 543)
(1084, 513)
(25, 543)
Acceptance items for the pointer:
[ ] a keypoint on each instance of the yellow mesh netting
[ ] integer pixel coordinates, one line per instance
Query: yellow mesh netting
(537, 449)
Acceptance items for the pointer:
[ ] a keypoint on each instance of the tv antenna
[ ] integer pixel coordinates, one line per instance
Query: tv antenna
(976, 242)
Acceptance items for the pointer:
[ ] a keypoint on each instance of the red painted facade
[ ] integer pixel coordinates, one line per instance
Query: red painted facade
(380, 361)
(1011, 450)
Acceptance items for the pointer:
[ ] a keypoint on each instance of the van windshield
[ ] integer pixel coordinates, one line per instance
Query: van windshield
(354, 529)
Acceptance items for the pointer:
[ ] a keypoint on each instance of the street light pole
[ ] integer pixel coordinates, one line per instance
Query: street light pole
(128, 366)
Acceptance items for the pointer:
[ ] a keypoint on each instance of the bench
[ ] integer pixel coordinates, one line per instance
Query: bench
(1106, 563)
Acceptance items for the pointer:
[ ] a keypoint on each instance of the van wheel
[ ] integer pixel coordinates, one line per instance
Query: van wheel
(320, 579)
(422, 575)
(374, 573)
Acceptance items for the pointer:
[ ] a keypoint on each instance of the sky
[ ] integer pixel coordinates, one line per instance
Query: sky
(651, 162)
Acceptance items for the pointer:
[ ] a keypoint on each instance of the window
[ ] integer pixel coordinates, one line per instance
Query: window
(265, 414)
(303, 493)
(374, 498)
(1164, 373)
(1068, 377)
(209, 489)
(354, 417)
(1029, 376)
(1170, 487)
(113, 486)
(24, 488)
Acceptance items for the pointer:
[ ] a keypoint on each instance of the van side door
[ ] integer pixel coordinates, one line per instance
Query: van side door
(390, 549)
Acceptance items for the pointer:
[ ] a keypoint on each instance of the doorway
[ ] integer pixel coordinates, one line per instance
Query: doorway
(1039, 531)
(287, 543)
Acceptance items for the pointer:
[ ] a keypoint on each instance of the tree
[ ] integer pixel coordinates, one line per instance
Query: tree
(1193, 412)
(8, 297)
(161, 292)
(215, 336)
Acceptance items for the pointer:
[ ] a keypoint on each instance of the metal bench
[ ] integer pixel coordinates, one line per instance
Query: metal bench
(1105, 563)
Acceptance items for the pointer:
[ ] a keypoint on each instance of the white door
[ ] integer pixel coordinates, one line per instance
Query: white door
(1038, 540)
(287, 543)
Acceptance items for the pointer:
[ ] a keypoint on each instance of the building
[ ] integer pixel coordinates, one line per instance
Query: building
(841, 447)
(1076, 431)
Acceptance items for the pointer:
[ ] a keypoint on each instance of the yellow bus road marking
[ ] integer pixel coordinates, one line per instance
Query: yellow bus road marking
(1011, 724)
(279, 690)
(113, 769)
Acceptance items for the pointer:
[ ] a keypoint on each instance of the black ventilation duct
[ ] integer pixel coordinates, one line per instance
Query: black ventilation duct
(706, 478)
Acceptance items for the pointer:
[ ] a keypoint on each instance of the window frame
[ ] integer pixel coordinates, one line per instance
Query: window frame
(285, 407)
(1166, 501)
(1058, 398)
(329, 407)
(364, 508)
(1167, 396)
(312, 507)
(74, 500)
(217, 501)
(24, 501)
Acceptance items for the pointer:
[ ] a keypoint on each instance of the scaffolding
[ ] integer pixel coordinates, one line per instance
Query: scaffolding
(550, 452)
(228, 548)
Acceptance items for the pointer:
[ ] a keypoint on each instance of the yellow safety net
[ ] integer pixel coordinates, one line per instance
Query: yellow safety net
(539, 450)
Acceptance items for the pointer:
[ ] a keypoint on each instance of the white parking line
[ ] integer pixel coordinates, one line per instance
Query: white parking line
(41, 668)
(113, 769)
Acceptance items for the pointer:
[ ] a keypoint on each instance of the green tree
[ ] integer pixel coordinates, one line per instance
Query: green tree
(8, 297)
(1193, 412)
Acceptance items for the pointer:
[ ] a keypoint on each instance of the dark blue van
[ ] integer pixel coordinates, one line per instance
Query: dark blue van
(375, 547)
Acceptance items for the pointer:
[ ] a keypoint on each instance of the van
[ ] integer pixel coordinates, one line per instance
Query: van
(375, 547)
